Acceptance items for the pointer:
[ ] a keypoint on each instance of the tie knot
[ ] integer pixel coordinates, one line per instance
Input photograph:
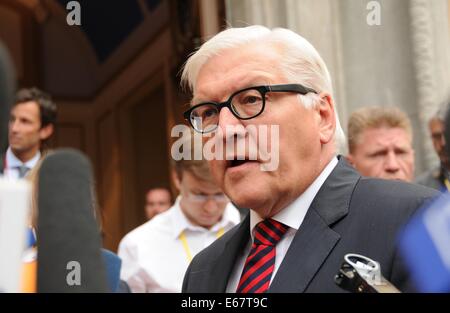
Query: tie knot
(23, 170)
(269, 232)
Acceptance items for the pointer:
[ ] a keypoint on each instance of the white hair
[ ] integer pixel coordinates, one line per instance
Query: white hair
(300, 61)
(441, 112)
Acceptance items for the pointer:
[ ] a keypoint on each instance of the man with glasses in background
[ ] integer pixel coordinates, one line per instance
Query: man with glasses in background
(156, 255)
(314, 208)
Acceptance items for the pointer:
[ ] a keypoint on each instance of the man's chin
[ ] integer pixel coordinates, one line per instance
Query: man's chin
(208, 223)
(246, 189)
(396, 177)
(16, 148)
(245, 198)
(445, 161)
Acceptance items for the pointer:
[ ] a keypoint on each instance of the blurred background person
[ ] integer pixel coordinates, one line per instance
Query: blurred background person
(380, 143)
(157, 200)
(156, 254)
(438, 177)
(31, 123)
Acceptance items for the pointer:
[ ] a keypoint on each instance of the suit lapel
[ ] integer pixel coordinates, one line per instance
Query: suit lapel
(315, 240)
(225, 261)
(309, 249)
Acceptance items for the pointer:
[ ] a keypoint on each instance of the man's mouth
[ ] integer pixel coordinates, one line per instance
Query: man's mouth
(236, 163)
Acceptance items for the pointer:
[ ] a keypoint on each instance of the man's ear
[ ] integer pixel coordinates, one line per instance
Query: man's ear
(327, 122)
(45, 132)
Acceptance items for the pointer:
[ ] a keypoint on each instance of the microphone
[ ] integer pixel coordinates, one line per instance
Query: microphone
(360, 274)
(68, 239)
(424, 242)
(7, 89)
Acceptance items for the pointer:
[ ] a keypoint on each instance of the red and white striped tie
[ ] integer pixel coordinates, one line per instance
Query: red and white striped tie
(260, 262)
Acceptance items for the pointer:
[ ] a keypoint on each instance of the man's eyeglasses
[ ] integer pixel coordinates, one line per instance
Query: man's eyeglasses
(221, 198)
(245, 104)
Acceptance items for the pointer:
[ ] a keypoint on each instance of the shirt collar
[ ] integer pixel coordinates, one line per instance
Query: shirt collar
(295, 212)
(181, 223)
(13, 162)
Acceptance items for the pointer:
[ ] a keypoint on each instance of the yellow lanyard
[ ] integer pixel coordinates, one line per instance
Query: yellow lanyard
(183, 239)
(447, 184)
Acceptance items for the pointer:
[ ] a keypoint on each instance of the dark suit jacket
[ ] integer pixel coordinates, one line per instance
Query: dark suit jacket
(350, 214)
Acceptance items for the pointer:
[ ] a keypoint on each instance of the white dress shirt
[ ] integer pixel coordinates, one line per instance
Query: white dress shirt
(12, 163)
(154, 258)
(291, 216)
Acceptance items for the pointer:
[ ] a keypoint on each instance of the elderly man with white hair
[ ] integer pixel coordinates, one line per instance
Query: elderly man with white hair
(314, 208)
(438, 177)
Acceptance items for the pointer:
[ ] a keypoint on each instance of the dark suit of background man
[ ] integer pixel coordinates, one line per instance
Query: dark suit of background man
(318, 205)
(31, 124)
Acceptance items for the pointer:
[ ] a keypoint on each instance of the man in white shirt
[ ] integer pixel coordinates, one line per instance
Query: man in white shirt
(31, 123)
(155, 255)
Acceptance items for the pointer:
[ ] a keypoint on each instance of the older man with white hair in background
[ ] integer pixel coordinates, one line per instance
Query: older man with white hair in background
(314, 208)
(438, 177)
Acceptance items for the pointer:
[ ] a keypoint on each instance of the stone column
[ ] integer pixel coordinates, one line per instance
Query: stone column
(431, 56)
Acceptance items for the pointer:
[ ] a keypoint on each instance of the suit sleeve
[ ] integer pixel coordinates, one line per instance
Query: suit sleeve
(401, 277)
(185, 287)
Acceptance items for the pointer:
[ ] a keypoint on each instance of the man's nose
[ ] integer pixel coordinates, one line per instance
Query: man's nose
(442, 141)
(230, 125)
(14, 126)
(391, 163)
(210, 205)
